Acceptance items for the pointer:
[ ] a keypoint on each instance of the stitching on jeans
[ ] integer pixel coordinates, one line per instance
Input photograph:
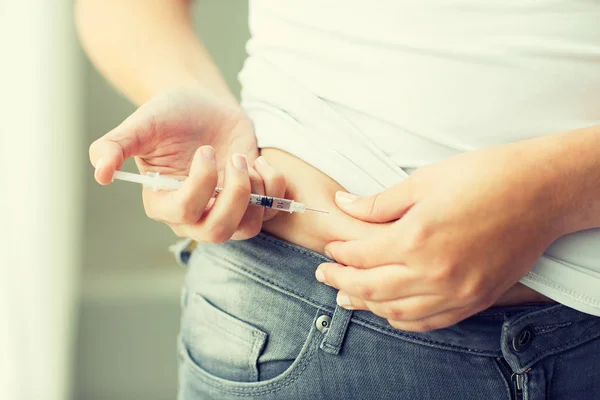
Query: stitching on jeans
(224, 318)
(550, 310)
(267, 388)
(503, 378)
(254, 353)
(391, 331)
(241, 269)
(402, 334)
(339, 336)
(329, 346)
(293, 247)
(556, 370)
(368, 324)
(371, 325)
(537, 356)
(543, 329)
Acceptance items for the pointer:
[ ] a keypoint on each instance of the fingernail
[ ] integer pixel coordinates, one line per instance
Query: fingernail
(344, 197)
(343, 301)
(263, 161)
(209, 153)
(327, 254)
(239, 161)
(320, 276)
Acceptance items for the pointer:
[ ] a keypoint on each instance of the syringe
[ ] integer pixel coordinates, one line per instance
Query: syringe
(155, 181)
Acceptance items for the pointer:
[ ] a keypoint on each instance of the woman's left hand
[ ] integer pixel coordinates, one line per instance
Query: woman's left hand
(453, 237)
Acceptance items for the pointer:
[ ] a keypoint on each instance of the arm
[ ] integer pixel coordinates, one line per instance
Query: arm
(145, 47)
(570, 169)
(456, 234)
(190, 126)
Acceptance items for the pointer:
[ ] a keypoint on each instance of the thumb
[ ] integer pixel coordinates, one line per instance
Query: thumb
(130, 138)
(386, 206)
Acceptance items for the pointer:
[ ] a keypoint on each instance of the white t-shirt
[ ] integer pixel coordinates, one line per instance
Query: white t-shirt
(365, 91)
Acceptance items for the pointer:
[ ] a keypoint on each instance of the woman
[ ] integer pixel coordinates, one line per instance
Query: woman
(431, 132)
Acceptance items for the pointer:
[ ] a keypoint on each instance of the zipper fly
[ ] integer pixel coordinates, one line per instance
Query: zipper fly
(517, 380)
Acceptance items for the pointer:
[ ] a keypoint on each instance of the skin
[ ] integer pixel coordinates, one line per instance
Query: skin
(187, 135)
(412, 254)
(187, 113)
(455, 235)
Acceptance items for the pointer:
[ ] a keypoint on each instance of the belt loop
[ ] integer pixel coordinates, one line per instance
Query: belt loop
(332, 342)
(183, 250)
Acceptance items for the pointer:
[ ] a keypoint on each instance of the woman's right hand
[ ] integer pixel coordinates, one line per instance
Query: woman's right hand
(189, 135)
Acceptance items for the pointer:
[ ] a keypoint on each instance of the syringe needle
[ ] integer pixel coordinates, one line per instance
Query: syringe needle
(321, 211)
(155, 181)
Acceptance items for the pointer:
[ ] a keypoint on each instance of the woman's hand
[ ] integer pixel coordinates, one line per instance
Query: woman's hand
(453, 237)
(185, 134)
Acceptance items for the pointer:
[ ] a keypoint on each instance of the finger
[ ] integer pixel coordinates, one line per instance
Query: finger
(251, 222)
(377, 284)
(372, 251)
(410, 308)
(128, 139)
(177, 229)
(106, 157)
(274, 183)
(350, 302)
(442, 320)
(385, 206)
(221, 221)
(186, 204)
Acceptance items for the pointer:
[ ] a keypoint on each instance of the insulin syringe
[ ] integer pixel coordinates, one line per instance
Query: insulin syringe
(155, 181)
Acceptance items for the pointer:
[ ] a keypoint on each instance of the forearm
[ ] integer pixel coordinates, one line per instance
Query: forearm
(569, 165)
(147, 46)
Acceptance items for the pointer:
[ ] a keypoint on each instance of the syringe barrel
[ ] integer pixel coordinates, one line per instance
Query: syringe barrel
(271, 202)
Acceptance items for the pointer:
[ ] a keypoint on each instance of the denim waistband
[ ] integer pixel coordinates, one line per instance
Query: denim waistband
(523, 334)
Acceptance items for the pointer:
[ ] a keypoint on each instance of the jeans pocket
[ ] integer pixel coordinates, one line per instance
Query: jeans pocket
(219, 367)
(220, 343)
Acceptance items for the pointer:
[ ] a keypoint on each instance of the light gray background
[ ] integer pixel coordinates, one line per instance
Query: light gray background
(129, 310)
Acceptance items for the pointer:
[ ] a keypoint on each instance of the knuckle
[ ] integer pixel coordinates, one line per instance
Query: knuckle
(417, 235)
(471, 292)
(249, 230)
(185, 211)
(395, 314)
(443, 272)
(277, 180)
(373, 205)
(207, 178)
(240, 190)
(216, 234)
(253, 229)
(366, 292)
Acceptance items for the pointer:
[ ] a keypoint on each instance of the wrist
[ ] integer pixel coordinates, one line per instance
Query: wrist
(566, 169)
(535, 188)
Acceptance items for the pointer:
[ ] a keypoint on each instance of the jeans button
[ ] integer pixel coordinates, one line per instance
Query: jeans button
(323, 323)
(522, 340)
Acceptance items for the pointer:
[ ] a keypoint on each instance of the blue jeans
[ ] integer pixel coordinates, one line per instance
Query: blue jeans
(257, 324)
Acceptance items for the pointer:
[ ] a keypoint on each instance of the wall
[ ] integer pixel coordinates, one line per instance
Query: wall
(129, 311)
(41, 195)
